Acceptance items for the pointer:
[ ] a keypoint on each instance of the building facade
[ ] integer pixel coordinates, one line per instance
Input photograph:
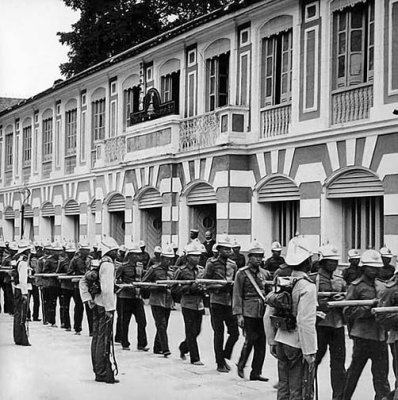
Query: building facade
(259, 120)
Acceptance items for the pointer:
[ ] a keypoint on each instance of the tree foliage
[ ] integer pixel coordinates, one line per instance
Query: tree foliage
(108, 27)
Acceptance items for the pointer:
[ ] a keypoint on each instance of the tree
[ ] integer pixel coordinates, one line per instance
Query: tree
(108, 27)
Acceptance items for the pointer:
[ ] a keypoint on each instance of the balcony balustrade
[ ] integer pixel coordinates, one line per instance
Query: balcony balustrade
(352, 104)
(275, 121)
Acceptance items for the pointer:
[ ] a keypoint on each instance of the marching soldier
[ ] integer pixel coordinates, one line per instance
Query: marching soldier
(79, 265)
(51, 266)
(66, 285)
(43, 283)
(389, 321)
(9, 253)
(237, 256)
(368, 336)
(276, 260)
(160, 300)
(21, 294)
(388, 270)
(35, 253)
(145, 257)
(222, 268)
(353, 272)
(103, 305)
(248, 305)
(295, 347)
(131, 301)
(157, 251)
(176, 256)
(191, 302)
(330, 328)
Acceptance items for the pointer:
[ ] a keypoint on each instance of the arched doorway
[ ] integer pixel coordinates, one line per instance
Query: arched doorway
(278, 210)
(202, 204)
(116, 209)
(150, 204)
(72, 221)
(356, 197)
(48, 222)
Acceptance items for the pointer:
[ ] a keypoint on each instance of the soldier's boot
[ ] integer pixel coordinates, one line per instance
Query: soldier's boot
(244, 355)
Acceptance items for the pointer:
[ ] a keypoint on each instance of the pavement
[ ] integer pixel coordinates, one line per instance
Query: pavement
(58, 367)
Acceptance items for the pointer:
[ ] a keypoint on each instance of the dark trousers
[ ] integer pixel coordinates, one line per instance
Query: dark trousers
(161, 316)
(193, 326)
(221, 314)
(255, 338)
(128, 308)
(101, 345)
(118, 334)
(290, 372)
(52, 293)
(377, 352)
(8, 298)
(44, 304)
(35, 295)
(20, 316)
(335, 339)
(66, 295)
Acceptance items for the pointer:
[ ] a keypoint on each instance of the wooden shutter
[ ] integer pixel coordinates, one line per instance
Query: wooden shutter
(270, 60)
(48, 210)
(9, 213)
(28, 211)
(355, 183)
(278, 188)
(72, 208)
(201, 194)
(150, 199)
(286, 67)
(117, 203)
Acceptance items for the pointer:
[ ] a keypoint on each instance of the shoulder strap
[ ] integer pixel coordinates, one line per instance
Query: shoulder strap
(254, 283)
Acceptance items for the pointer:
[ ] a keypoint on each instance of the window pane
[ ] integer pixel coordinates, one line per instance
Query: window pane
(356, 64)
(268, 90)
(356, 40)
(342, 22)
(341, 67)
(269, 66)
(342, 41)
(356, 18)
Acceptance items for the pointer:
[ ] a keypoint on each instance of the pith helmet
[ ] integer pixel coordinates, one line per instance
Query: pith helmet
(236, 244)
(329, 252)
(386, 252)
(141, 243)
(70, 248)
(353, 253)
(214, 249)
(194, 249)
(174, 245)
(224, 241)
(23, 246)
(167, 251)
(276, 246)
(298, 250)
(135, 248)
(371, 258)
(157, 249)
(13, 246)
(56, 246)
(256, 248)
(123, 248)
(108, 244)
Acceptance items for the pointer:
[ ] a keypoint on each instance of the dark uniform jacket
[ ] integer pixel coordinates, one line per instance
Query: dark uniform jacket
(273, 263)
(327, 282)
(127, 273)
(389, 298)
(64, 268)
(239, 259)
(191, 294)
(209, 247)
(7, 263)
(51, 266)
(144, 258)
(386, 273)
(246, 300)
(361, 322)
(216, 268)
(159, 296)
(351, 273)
(79, 266)
(283, 271)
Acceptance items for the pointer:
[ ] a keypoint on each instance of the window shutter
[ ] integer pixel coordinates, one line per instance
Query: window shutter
(117, 203)
(9, 213)
(201, 194)
(28, 211)
(150, 199)
(278, 188)
(72, 208)
(355, 183)
(47, 210)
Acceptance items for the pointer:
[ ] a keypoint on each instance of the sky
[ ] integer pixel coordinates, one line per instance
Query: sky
(30, 52)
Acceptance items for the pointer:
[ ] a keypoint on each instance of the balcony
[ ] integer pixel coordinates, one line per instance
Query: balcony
(275, 121)
(225, 125)
(352, 104)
